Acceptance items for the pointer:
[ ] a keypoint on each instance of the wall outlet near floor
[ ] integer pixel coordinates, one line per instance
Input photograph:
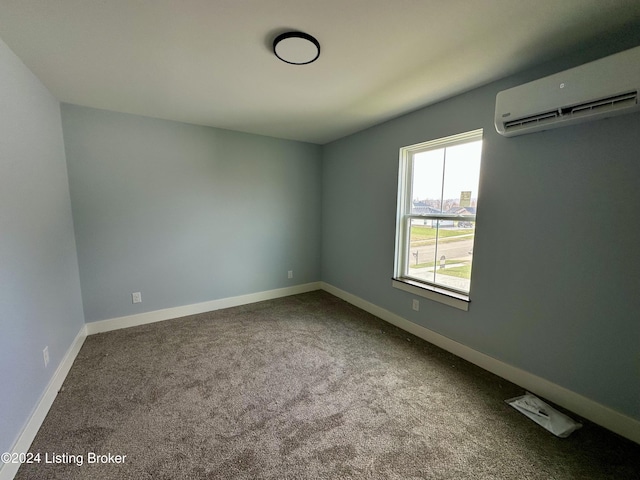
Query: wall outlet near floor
(290, 274)
(45, 355)
(136, 297)
(416, 304)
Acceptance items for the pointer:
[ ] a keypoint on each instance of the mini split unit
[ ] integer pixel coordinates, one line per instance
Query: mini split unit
(600, 89)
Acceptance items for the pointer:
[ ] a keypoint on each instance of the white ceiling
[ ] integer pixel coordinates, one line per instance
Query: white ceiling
(210, 62)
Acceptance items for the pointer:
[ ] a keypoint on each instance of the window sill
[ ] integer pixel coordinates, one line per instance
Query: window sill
(436, 294)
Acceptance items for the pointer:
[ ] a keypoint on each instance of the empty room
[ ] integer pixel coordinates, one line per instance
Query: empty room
(276, 239)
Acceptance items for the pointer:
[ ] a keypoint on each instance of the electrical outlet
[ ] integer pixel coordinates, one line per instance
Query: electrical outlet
(290, 274)
(416, 304)
(45, 355)
(136, 297)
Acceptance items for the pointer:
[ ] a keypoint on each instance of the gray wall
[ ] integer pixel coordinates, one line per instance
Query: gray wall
(186, 214)
(40, 302)
(556, 271)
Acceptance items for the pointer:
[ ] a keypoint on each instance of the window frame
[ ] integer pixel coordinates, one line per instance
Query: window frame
(431, 290)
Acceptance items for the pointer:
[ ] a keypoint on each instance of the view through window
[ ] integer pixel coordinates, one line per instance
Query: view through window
(437, 211)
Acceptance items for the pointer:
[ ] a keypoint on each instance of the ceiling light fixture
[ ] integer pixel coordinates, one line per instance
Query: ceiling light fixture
(296, 48)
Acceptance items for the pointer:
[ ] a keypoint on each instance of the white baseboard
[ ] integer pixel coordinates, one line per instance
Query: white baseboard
(602, 415)
(617, 422)
(183, 311)
(23, 443)
(9, 470)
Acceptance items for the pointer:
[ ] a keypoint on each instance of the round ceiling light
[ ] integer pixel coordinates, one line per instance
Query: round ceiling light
(296, 48)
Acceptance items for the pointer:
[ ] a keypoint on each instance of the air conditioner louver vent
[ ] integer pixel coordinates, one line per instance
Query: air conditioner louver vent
(617, 101)
(529, 121)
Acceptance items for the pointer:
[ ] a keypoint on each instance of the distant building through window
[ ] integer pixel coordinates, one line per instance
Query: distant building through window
(437, 201)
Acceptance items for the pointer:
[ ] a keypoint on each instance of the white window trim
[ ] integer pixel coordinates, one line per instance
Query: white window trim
(432, 292)
(403, 219)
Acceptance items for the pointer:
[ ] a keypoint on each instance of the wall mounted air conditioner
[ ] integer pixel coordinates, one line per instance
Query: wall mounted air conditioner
(598, 89)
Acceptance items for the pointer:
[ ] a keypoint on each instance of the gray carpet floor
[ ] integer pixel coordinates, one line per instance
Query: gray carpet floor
(303, 387)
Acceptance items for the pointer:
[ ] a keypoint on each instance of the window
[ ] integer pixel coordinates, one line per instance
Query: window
(437, 201)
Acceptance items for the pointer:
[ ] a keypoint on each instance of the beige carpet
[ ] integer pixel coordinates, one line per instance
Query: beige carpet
(304, 387)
